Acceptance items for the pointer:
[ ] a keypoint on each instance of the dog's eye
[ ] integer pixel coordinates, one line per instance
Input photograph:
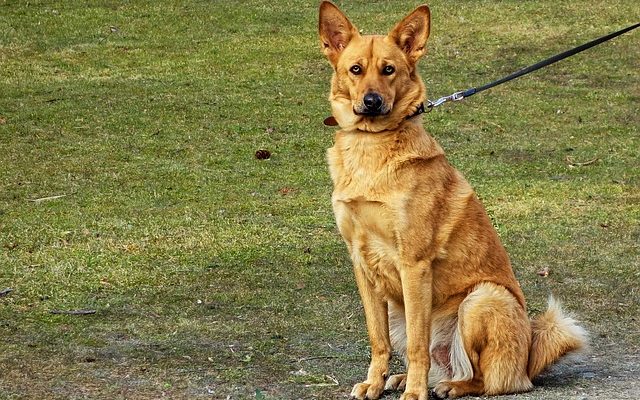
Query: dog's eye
(356, 69)
(388, 70)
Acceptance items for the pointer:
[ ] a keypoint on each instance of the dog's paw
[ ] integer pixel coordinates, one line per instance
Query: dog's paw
(366, 390)
(396, 382)
(414, 396)
(443, 391)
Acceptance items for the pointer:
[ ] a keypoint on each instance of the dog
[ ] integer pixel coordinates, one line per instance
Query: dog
(435, 282)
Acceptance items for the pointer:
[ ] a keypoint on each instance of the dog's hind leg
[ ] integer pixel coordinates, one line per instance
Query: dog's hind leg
(490, 348)
(443, 326)
(396, 382)
(398, 337)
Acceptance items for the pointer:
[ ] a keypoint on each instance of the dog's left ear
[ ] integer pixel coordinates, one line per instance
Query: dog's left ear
(412, 32)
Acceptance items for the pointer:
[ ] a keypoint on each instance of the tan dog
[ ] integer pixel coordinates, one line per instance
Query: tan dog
(436, 283)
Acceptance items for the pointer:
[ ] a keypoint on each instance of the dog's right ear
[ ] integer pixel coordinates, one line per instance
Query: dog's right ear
(336, 31)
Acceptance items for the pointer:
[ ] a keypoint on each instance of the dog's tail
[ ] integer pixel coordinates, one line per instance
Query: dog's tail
(554, 335)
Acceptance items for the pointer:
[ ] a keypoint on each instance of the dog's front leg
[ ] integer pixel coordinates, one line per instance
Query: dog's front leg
(416, 291)
(375, 310)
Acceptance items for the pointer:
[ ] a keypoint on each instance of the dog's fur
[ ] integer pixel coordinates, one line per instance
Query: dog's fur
(435, 282)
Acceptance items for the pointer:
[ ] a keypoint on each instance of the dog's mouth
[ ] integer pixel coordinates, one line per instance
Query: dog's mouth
(371, 114)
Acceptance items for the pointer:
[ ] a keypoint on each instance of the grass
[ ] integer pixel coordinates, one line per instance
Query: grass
(217, 275)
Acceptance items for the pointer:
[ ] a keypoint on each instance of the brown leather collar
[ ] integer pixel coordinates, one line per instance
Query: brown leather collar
(331, 121)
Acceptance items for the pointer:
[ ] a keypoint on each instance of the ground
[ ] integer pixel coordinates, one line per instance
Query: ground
(130, 191)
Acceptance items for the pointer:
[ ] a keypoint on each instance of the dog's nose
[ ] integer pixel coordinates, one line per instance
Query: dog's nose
(372, 103)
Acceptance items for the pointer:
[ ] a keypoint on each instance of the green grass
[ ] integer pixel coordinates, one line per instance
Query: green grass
(216, 275)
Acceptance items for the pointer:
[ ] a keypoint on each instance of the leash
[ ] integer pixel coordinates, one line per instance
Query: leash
(463, 94)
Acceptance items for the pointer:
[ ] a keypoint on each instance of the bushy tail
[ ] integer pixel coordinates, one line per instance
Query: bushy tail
(554, 335)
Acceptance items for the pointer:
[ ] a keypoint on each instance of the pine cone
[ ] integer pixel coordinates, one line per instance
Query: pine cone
(263, 154)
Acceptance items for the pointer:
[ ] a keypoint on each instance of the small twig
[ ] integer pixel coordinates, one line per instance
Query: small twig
(334, 380)
(572, 162)
(41, 199)
(73, 312)
(316, 358)
(5, 292)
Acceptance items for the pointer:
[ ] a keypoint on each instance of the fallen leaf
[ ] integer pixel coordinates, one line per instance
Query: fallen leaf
(544, 272)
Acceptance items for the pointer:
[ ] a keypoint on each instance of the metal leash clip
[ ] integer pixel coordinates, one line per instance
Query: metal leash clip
(457, 96)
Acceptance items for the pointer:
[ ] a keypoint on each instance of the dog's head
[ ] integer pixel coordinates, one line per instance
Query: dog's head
(375, 84)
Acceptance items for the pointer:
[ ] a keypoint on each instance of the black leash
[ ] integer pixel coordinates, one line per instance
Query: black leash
(470, 92)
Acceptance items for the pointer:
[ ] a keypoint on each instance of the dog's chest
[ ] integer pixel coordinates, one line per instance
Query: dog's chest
(367, 214)
(368, 228)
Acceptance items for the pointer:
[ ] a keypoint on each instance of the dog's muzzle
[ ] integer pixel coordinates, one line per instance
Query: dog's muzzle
(372, 105)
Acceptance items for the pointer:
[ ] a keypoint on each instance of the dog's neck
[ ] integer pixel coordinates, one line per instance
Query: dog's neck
(420, 109)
